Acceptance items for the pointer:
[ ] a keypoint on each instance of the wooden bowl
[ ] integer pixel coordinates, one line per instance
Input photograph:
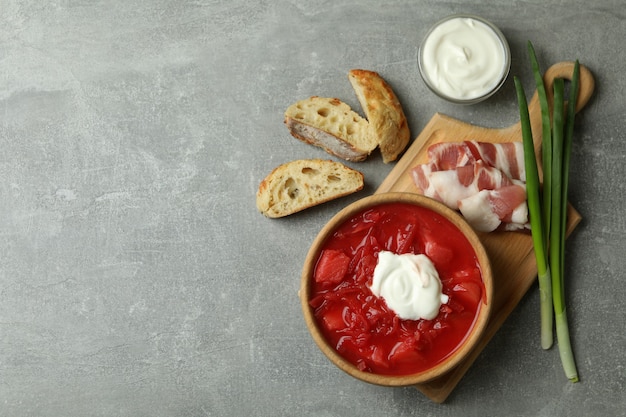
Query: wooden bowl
(462, 349)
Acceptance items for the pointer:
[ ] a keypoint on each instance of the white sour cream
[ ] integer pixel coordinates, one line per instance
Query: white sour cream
(463, 58)
(409, 284)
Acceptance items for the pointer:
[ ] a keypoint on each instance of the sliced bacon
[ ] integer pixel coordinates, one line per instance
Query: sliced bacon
(450, 155)
(502, 208)
(484, 181)
(452, 185)
(507, 157)
(421, 177)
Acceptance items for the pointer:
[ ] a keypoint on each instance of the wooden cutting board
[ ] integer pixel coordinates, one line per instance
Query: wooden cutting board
(511, 253)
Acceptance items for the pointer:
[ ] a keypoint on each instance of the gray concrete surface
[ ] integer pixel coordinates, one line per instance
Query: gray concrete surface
(138, 279)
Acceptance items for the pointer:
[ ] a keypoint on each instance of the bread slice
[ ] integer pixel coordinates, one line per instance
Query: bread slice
(303, 183)
(387, 122)
(332, 125)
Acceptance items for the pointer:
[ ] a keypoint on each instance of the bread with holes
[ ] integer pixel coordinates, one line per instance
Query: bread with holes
(332, 125)
(387, 122)
(303, 183)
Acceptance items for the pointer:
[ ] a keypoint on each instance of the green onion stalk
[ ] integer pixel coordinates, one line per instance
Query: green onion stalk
(558, 282)
(536, 220)
(546, 143)
(545, 284)
(548, 217)
(556, 244)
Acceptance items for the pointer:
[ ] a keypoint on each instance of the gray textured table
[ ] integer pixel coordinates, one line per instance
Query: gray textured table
(138, 279)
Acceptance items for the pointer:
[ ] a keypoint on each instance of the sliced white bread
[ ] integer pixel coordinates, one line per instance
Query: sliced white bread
(303, 183)
(332, 125)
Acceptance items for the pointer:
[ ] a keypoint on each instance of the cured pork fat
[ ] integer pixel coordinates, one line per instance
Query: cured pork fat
(507, 157)
(452, 185)
(484, 181)
(501, 209)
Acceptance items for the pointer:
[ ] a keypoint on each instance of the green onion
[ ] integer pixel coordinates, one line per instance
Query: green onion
(558, 240)
(557, 231)
(536, 219)
(555, 244)
(567, 149)
(549, 220)
(546, 142)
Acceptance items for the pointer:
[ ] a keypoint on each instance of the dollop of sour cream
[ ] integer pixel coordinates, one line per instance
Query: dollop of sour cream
(464, 58)
(409, 284)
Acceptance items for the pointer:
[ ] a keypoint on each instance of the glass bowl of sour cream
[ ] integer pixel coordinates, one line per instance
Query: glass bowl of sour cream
(464, 59)
(396, 289)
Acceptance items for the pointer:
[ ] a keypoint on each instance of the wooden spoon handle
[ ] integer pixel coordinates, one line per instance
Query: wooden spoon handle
(563, 70)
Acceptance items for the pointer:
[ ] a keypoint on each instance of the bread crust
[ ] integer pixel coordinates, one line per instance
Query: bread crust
(300, 184)
(387, 121)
